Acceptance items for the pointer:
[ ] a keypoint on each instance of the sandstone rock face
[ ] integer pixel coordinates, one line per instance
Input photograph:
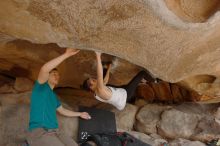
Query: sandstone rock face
(74, 97)
(14, 116)
(183, 125)
(153, 34)
(23, 84)
(176, 40)
(148, 118)
(7, 88)
(193, 11)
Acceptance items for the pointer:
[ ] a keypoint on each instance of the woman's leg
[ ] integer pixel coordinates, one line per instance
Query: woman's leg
(132, 85)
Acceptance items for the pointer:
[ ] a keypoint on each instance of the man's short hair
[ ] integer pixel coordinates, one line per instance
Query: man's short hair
(54, 69)
(85, 85)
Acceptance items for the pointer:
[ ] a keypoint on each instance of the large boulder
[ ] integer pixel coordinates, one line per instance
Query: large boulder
(148, 118)
(175, 123)
(207, 129)
(125, 119)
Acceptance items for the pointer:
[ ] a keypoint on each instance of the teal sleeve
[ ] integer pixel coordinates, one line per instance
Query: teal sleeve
(37, 84)
(58, 102)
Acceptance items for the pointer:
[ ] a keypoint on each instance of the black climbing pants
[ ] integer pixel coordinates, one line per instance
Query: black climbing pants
(132, 85)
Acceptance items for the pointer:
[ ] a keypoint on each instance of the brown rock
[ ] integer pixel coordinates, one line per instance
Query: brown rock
(23, 84)
(76, 97)
(140, 102)
(146, 92)
(5, 80)
(176, 93)
(162, 91)
(7, 88)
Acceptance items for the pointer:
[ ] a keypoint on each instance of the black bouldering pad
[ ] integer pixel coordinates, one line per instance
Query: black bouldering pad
(102, 122)
(132, 141)
(116, 139)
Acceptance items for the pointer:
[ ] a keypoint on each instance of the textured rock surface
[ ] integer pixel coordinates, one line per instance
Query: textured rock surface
(14, 114)
(153, 34)
(184, 142)
(125, 119)
(183, 125)
(207, 129)
(166, 92)
(194, 10)
(148, 118)
(23, 84)
(176, 40)
(217, 116)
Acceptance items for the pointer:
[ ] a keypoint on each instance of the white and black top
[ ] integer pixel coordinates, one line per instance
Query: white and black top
(118, 99)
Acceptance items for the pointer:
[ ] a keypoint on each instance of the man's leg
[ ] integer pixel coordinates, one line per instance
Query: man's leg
(132, 85)
(40, 137)
(68, 141)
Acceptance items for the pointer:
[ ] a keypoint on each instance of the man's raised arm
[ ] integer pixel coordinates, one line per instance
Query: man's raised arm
(46, 68)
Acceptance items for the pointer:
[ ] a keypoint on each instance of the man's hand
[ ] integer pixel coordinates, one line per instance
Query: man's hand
(71, 51)
(85, 115)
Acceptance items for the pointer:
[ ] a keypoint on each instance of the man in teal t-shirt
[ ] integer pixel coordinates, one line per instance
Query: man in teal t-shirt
(43, 123)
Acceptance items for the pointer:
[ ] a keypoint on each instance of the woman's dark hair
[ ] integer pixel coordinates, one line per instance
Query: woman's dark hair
(85, 85)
